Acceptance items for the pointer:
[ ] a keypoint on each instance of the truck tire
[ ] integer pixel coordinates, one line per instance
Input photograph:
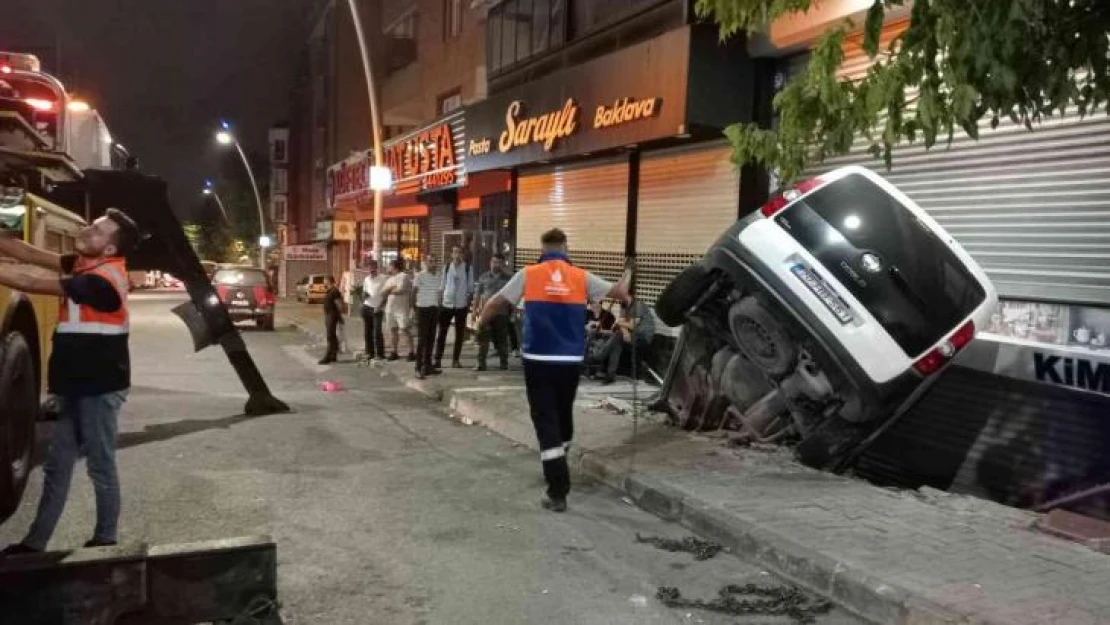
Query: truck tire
(681, 294)
(19, 403)
(762, 337)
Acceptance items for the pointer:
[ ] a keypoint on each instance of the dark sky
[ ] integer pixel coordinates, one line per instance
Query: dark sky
(162, 73)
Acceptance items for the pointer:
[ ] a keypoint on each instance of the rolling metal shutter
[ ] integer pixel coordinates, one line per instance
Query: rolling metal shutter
(1033, 208)
(441, 218)
(589, 202)
(687, 198)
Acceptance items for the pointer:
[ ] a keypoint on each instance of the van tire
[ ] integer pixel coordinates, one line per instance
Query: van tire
(763, 338)
(680, 295)
(19, 406)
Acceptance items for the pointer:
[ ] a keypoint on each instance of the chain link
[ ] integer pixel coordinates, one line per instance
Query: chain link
(736, 600)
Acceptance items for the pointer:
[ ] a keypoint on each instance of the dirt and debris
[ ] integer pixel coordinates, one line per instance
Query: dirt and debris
(753, 599)
(700, 549)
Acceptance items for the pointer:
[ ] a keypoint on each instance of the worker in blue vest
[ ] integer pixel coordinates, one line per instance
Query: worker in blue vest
(555, 295)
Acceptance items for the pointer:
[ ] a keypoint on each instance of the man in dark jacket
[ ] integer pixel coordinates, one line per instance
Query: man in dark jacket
(333, 316)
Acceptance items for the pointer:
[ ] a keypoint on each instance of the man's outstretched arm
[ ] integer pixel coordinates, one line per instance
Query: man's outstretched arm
(493, 306)
(14, 278)
(12, 247)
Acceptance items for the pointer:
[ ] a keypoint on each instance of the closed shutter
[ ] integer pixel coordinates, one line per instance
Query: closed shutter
(1033, 208)
(441, 218)
(590, 204)
(687, 198)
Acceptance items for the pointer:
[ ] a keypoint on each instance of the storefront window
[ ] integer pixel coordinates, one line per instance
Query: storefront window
(1085, 327)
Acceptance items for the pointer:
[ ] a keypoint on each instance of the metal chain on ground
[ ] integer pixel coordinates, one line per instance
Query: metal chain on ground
(736, 600)
(258, 610)
(700, 549)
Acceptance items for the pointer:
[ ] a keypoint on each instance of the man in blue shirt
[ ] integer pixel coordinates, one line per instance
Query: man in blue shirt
(458, 287)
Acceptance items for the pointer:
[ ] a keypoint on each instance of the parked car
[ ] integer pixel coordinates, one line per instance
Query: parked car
(311, 289)
(247, 294)
(822, 316)
(171, 282)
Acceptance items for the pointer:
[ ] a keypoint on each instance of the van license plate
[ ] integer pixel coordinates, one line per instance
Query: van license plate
(828, 297)
(240, 302)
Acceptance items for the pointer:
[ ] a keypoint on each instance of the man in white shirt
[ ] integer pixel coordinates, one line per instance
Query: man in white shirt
(398, 292)
(373, 312)
(427, 286)
(458, 287)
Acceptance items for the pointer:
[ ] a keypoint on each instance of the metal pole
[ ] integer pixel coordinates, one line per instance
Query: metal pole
(258, 201)
(223, 211)
(375, 123)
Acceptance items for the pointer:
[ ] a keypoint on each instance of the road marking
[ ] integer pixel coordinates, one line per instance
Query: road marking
(301, 355)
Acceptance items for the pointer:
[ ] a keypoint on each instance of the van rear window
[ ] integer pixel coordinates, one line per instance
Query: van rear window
(891, 261)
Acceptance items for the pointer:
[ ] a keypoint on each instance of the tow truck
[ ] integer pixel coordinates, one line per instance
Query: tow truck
(60, 169)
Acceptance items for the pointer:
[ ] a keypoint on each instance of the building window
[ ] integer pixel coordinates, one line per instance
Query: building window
(452, 18)
(450, 102)
(280, 209)
(279, 182)
(521, 29)
(401, 41)
(280, 152)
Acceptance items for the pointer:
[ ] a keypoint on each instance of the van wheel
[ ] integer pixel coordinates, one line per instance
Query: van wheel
(680, 295)
(762, 337)
(19, 404)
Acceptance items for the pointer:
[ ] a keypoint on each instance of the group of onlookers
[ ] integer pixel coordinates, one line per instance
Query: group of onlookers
(421, 307)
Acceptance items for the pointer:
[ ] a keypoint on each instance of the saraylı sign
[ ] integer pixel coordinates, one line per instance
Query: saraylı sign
(547, 128)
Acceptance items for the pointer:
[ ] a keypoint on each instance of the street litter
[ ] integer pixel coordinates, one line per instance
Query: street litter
(638, 601)
(776, 600)
(700, 549)
(331, 386)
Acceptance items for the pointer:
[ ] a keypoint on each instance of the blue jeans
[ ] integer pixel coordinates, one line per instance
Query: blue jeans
(86, 426)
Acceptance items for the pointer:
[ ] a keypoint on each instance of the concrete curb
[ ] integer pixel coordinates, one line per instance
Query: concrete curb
(870, 598)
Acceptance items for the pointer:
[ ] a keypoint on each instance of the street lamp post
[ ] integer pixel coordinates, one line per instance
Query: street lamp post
(210, 191)
(376, 130)
(224, 137)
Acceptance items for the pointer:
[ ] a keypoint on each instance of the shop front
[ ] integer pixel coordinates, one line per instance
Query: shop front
(623, 152)
(1023, 418)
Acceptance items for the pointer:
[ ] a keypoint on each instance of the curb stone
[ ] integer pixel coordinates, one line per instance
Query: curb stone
(855, 590)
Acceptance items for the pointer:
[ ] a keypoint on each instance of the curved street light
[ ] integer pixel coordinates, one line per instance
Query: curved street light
(224, 136)
(210, 190)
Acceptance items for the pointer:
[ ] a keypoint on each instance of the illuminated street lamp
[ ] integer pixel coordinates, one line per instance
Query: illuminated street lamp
(210, 190)
(225, 137)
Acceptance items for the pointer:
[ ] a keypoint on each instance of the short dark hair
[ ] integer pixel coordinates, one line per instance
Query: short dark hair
(127, 232)
(397, 264)
(554, 237)
(499, 256)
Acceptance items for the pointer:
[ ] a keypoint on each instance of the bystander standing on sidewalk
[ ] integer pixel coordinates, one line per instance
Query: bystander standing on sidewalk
(426, 287)
(458, 288)
(333, 318)
(398, 308)
(555, 294)
(497, 331)
(373, 312)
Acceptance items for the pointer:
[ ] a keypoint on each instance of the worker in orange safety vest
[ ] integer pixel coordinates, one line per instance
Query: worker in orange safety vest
(89, 366)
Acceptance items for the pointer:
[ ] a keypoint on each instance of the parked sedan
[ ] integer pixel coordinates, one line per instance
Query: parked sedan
(247, 294)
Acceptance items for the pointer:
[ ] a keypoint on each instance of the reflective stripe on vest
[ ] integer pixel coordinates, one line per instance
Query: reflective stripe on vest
(74, 318)
(555, 295)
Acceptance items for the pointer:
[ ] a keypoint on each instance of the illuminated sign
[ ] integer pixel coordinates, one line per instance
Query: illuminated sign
(428, 159)
(544, 129)
(624, 111)
(349, 181)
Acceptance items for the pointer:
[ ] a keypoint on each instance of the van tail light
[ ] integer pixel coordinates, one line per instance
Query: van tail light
(221, 290)
(780, 200)
(933, 361)
(263, 297)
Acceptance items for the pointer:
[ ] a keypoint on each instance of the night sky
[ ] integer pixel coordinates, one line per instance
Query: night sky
(162, 73)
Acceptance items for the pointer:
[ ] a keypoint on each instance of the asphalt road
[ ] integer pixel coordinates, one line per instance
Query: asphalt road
(384, 510)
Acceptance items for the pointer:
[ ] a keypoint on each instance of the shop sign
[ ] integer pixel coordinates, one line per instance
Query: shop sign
(306, 252)
(633, 96)
(323, 231)
(428, 159)
(344, 231)
(348, 182)
(1075, 368)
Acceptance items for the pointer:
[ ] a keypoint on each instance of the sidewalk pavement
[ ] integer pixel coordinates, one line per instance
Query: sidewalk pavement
(910, 557)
